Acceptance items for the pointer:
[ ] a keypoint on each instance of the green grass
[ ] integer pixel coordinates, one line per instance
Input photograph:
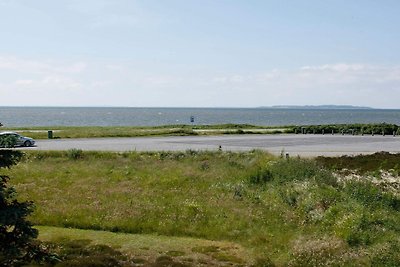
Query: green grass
(286, 212)
(184, 129)
(126, 131)
(71, 244)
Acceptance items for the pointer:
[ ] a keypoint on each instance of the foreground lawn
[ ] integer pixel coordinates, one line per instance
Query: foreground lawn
(287, 212)
(101, 246)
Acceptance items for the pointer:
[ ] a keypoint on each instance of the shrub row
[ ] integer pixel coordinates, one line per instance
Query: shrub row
(348, 129)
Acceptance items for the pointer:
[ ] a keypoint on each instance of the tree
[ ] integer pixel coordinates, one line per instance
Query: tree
(17, 236)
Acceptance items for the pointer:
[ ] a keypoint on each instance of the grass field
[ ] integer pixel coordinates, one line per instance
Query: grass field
(125, 131)
(263, 210)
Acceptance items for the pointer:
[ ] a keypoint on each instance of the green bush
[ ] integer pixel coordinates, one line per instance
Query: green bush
(8, 141)
(261, 176)
(75, 154)
(377, 128)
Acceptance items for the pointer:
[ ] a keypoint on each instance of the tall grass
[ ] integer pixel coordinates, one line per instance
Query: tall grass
(267, 204)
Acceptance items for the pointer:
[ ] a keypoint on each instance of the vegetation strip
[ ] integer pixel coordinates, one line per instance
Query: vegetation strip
(166, 130)
(184, 130)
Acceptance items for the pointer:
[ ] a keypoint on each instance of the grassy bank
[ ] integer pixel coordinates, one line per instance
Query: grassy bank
(289, 212)
(182, 129)
(125, 131)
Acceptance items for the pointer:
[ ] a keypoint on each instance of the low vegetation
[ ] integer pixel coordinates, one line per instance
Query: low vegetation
(274, 211)
(7, 141)
(185, 130)
(356, 129)
(125, 131)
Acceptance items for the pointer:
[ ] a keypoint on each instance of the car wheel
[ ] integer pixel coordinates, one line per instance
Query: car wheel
(27, 143)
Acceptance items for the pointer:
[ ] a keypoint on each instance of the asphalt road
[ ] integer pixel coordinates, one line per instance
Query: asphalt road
(303, 145)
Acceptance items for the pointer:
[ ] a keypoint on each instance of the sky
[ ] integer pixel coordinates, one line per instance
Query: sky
(199, 53)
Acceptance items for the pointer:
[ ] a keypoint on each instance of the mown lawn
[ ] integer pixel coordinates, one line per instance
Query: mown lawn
(286, 212)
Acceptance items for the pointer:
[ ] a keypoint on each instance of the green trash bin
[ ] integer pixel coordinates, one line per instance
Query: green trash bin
(50, 134)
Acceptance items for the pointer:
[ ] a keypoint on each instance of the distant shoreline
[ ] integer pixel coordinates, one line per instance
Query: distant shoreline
(331, 107)
(325, 107)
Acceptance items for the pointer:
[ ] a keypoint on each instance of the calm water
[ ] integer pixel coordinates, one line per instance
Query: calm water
(85, 116)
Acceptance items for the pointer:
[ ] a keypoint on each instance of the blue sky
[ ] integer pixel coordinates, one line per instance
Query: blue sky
(202, 53)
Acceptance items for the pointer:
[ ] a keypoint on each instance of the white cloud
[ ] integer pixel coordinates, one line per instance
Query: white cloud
(115, 67)
(350, 74)
(77, 67)
(358, 84)
(341, 67)
(37, 79)
(24, 82)
(22, 65)
(46, 85)
(324, 75)
(137, 84)
(39, 66)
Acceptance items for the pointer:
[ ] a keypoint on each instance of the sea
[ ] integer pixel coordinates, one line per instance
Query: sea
(132, 116)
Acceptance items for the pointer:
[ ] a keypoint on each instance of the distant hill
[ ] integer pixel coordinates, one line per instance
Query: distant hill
(318, 107)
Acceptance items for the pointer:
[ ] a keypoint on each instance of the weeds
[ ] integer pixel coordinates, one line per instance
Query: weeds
(371, 195)
(292, 170)
(268, 204)
(75, 154)
(327, 251)
(387, 254)
(261, 176)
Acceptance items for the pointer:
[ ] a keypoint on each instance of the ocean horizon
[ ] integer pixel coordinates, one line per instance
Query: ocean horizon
(156, 116)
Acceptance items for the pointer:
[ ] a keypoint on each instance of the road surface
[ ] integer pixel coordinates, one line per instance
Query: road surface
(303, 145)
